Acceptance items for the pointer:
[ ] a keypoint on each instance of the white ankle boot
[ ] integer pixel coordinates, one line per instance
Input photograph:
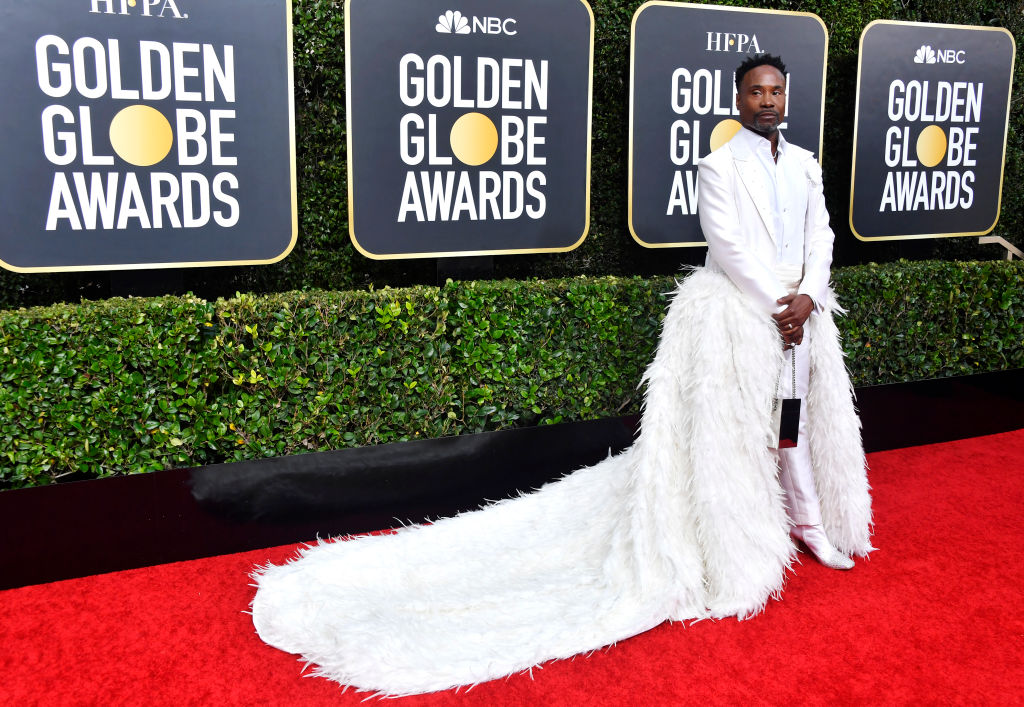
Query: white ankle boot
(813, 536)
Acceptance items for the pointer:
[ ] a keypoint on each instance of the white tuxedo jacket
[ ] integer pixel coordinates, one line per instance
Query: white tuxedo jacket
(735, 214)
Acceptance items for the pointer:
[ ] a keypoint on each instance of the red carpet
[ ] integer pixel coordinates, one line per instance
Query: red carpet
(934, 617)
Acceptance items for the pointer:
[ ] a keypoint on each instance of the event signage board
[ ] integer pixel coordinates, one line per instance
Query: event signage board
(468, 126)
(929, 142)
(146, 134)
(682, 102)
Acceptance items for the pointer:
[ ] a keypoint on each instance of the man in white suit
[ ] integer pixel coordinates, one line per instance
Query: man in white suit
(763, 214)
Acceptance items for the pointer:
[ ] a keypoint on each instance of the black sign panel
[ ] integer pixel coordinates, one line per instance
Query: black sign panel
(145, 133)
(930, 137)
(683, 101)
(468, 125)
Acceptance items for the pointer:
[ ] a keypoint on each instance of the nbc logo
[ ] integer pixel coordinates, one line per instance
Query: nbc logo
(925, 55)
(452, 22)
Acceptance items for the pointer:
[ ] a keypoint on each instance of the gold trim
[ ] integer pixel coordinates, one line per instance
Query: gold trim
(632, 63)
(856, 129)
(216, 263)
(463, 253)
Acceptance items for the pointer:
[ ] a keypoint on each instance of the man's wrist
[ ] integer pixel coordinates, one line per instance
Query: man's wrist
(814, 303)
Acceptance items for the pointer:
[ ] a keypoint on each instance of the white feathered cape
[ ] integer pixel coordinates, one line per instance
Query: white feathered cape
(687, 523)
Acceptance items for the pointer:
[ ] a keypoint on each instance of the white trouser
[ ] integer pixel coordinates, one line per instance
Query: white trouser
(795, 471)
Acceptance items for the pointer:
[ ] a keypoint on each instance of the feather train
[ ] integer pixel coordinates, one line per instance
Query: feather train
(688, 523)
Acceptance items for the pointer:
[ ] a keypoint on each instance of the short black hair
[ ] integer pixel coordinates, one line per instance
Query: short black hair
(758, 60)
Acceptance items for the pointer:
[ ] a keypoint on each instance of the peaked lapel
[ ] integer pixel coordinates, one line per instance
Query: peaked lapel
(752, 175)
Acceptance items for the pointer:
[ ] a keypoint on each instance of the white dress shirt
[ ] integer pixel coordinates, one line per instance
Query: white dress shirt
(786, 177)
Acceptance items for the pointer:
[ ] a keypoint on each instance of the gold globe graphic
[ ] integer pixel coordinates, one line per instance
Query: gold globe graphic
(724, 132)
(474, 139)
(141, 135)
(931, 146)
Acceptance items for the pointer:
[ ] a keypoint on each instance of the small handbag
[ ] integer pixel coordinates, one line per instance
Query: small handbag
(785, 423)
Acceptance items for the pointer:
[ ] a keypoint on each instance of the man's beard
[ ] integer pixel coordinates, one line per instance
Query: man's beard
(764, 130)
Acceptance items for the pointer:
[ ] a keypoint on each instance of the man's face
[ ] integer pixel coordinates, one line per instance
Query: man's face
(761, 99)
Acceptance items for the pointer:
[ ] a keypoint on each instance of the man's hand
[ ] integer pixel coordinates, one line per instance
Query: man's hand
(791, 320)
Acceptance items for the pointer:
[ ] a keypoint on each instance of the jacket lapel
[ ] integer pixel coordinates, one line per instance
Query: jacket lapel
(752, 175)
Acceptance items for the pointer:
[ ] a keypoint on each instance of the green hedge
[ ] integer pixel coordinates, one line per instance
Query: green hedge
(325, 258)
(547, 351)
(913, 321)
(126, 386)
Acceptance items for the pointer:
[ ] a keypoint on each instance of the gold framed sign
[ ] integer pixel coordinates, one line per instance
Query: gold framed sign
(146, 134)
(682, 101)
(930, 130)
(468, 126)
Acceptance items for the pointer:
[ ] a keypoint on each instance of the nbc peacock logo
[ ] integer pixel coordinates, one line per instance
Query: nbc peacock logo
(452, 22)
(925, 55)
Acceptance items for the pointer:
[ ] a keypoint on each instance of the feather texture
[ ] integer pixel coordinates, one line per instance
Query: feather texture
(688, 523)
